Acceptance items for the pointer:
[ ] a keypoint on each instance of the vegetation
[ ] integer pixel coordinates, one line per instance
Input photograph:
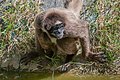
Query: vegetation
(17, 32)
(16, 29)
(104, 19)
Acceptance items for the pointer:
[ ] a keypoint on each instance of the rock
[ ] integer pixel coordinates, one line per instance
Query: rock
(52, 3)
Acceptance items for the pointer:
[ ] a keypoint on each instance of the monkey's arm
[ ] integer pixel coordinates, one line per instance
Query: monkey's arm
(38, 35)
(87, 53)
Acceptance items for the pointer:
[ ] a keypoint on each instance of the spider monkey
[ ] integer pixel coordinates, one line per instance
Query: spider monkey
(52, 38)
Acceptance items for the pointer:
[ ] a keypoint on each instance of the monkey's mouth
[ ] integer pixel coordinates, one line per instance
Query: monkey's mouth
(58, 37)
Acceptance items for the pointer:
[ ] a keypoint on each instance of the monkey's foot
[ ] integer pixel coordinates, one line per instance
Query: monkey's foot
(25, 59)
(64, 67)
(100, 57)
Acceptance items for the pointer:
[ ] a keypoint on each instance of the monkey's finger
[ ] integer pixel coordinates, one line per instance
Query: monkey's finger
(64, 68)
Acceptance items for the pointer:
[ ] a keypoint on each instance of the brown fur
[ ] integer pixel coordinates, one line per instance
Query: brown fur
(43, 41)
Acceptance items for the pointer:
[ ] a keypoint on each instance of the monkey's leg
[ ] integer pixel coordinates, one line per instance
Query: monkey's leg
(49, 54)
(69, 58)
(85, 46)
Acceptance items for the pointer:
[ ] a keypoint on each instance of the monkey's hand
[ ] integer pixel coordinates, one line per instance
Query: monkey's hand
(100, 57)
(25, 59)
(64, 68)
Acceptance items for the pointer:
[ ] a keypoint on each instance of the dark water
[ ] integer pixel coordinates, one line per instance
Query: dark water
(51, 76)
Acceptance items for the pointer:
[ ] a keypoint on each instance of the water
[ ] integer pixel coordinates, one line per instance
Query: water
(50, 76)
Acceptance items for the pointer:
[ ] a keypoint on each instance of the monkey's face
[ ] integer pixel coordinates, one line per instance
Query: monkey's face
(57, 31)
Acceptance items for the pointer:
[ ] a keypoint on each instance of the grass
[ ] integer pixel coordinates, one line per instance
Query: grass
(16, 29)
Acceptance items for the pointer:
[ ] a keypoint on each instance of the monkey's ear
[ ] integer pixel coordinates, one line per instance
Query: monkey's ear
(74, 5)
